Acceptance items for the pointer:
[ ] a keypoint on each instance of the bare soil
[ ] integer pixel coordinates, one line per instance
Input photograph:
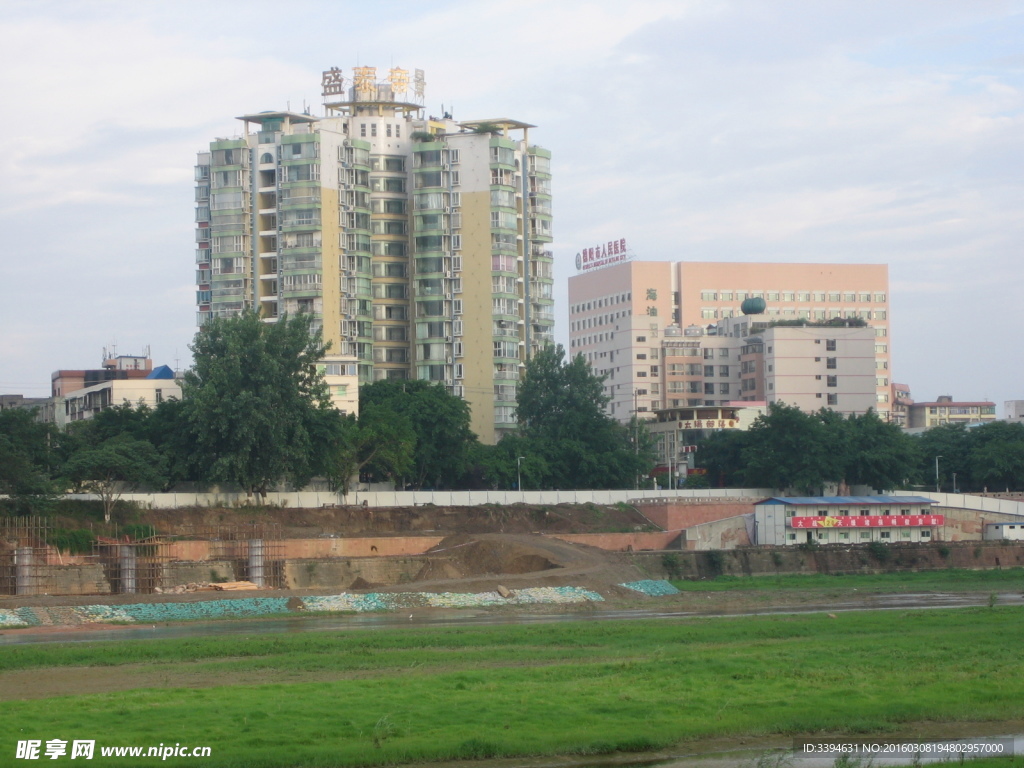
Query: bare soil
(400, 521)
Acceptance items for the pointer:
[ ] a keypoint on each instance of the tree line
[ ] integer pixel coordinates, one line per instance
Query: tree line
(256, 413)
(789, 449)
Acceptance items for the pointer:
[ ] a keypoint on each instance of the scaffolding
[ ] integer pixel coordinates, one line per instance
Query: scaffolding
(255, 550)
(132, 565)
(24, 555)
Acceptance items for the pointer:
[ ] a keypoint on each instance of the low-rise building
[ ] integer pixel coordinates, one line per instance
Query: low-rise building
(677, 431)
(1013, 411)
(792, 520)
(945, 410)
(341, 374)
(86, 403)
(1004, 531)
(10, 402)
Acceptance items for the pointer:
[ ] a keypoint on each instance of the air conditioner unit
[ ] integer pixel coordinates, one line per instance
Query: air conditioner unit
(448, 273)
(451, 360)
(447, 209)
(448, 338)
(447, 295)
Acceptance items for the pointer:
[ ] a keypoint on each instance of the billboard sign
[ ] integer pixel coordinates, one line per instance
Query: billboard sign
(603, 255)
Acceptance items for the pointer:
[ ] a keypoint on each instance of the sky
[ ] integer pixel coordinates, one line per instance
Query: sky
(705, 130)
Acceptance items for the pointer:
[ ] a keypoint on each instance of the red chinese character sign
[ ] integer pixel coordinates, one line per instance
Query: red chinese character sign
(866, 521)
(603, 255)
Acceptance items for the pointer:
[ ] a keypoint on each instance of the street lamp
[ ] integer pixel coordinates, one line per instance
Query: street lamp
(954, 483)
(937, 473)
(519, 473)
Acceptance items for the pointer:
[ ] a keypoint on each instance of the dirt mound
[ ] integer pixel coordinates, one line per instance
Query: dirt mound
(467, 562)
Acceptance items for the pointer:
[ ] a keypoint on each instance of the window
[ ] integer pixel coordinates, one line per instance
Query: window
(723, 389)
(830, 362)
(831, 381)
(709, 371)
(709, 389)
(652, 294)
(865, 535)
(884, 535)
(833, 398)
(830, 345)
(926, 534)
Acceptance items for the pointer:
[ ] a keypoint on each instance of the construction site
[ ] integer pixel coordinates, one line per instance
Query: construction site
(361, 547)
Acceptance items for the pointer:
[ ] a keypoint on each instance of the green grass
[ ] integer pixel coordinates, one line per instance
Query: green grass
(386, 697)
(950, 580)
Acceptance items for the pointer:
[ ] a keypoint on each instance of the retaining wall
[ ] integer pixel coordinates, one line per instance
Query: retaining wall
(729, 533)
(766, 561)
(678, 514)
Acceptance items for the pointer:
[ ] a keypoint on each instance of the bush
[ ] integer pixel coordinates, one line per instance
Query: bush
(77, 541)
(716, 560)
(670, 562)
(879, 551)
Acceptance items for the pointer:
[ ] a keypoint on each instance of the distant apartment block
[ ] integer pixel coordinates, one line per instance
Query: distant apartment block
(671, 334)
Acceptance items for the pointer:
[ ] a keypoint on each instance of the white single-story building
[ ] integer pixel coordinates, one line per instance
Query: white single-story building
(845, 520)
(1000, 531)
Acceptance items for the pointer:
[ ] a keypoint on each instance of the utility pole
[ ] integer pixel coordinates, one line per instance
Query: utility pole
(636, 439)
(937, 473)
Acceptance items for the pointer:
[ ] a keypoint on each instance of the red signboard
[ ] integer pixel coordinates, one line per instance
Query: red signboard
(865, 521)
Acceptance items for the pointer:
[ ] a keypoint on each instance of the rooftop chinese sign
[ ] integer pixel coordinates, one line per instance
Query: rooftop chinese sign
(865, 521)
(710, 424)
(603, 255)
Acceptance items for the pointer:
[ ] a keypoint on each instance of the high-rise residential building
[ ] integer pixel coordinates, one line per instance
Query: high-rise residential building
(419, 243)
(628, 319)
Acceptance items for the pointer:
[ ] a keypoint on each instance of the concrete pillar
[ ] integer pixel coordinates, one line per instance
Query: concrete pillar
(129, 569)
(256, 561)
(23, 571)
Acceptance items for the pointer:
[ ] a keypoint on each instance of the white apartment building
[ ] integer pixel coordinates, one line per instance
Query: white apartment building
(419, 243)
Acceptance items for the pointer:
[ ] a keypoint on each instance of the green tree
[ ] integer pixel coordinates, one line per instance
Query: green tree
(116, 465)
(876, 453)
(252, 401)
(951, 444)
(439, 421)
(381, 443)
(996, 456)
(721, 454)
(790, 449)
(27, 460)
(565, 433)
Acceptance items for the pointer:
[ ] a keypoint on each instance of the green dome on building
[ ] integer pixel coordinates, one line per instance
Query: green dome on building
(753, 306)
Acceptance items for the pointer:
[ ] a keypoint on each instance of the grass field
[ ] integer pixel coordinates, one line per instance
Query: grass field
(951, 580)
(386, 697)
